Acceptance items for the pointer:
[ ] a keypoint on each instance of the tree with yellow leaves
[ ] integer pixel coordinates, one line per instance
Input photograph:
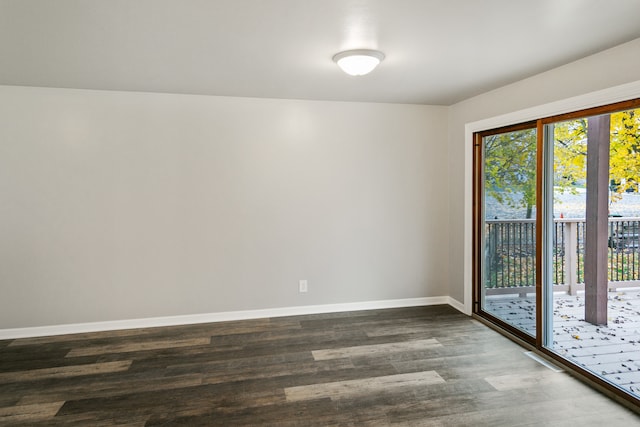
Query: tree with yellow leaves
(570, 153)
(510, 160)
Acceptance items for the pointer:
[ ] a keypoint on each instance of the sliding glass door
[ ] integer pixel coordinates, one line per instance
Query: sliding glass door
(508, 204)
(557, 239)
(594, 209)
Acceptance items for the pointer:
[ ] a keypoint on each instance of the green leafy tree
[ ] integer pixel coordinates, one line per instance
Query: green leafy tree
(510, 168)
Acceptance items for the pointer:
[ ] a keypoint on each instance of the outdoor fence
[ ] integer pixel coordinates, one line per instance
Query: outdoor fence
(510, 255)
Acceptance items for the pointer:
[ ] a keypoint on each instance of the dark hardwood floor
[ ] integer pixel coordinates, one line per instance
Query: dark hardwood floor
(422, 366)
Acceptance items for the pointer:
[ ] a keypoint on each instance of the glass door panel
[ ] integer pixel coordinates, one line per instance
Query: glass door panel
(593, 224)
(508, 230)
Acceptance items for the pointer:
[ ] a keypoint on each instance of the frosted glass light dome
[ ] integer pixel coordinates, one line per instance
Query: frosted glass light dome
(358, 62)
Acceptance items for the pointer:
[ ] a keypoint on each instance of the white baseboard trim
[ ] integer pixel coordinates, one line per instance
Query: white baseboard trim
(76, 328)
(458, 306)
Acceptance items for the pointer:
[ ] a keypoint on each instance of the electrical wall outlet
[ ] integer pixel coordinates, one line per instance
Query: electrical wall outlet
(303, 286)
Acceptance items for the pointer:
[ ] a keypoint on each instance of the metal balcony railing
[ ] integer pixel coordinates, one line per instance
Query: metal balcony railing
(510, 254)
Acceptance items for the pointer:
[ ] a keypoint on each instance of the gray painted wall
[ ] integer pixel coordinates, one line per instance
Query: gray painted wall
(122, 205)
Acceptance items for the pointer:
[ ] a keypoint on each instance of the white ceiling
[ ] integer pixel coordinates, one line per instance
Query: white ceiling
(437, 51)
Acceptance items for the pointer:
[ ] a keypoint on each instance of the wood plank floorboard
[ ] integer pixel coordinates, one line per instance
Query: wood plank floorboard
(30, 413)
(370, 385)
(422, 366)
(64, 371)
(137, 346)
(386, 348)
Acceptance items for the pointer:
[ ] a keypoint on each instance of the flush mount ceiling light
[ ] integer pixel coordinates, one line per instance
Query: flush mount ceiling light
(358, 62)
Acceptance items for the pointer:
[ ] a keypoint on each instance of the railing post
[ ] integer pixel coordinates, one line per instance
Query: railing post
(571, 256)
